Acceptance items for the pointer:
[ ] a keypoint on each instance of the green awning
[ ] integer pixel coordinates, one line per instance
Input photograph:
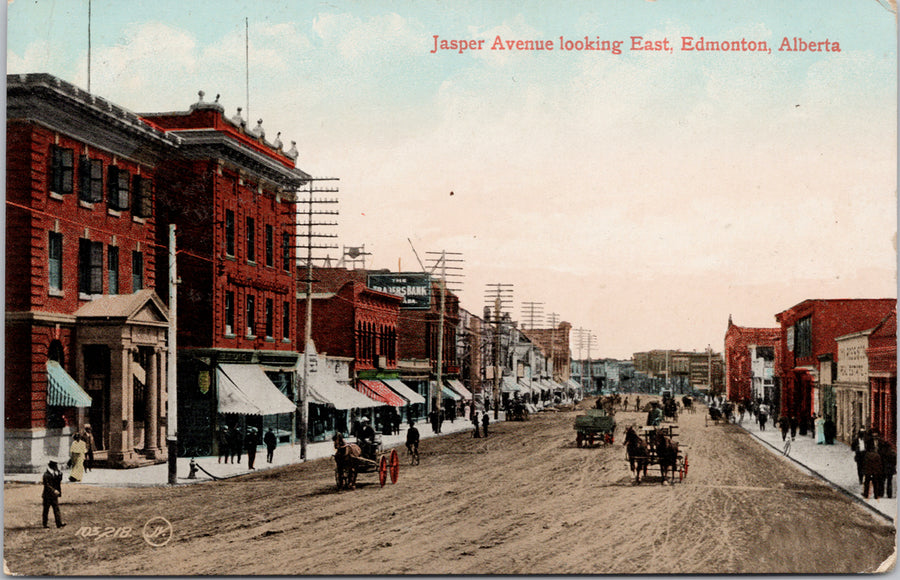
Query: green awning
(448, 394)
(62, 390)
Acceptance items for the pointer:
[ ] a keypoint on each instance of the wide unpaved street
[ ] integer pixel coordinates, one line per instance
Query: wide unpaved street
(524, 501)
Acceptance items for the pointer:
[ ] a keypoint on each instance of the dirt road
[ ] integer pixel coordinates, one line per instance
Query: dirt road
(525, 500)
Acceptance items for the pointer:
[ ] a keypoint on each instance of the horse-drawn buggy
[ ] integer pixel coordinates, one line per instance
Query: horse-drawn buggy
(597, 425)
(518, 411)
(655, 445)
(364, 455)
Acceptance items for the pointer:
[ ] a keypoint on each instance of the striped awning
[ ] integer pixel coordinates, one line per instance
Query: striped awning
(62, 390)
(459, 388)
(404, 391)
(326, 390)
(379, 391)
(524, 386)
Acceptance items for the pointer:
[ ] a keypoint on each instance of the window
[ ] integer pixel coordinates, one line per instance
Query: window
(137, 271)
(62, 170)
(90, 267)
(251, 240)
(286, 320)
(54, 254)
(270, 247)
(118, 182)
(112, 260)
(286, 252)
(803, 337)
(270, 323)
(143, 197)
(251, 317)
(91, 180)
(229, 232)
(229, 312)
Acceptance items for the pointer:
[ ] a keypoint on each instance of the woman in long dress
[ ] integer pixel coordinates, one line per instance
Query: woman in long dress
(77, 452)
(820, 429)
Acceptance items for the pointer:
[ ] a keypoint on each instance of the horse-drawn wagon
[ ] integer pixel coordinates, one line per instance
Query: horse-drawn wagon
(351, 458)
(655, 445)
(595, 426)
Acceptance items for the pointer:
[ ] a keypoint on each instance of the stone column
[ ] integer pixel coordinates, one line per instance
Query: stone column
(120, 407)
(151, 408)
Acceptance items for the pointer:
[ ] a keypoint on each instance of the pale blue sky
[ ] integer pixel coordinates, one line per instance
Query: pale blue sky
(644, 196)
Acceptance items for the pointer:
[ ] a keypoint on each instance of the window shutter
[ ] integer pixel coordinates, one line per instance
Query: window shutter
(96, 268)
(96, 195)
(112, 186)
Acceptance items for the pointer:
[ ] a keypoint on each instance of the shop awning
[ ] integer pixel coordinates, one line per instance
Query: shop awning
(404, 391)
(379, 391)
(509, 385)
(246, 390)
(459, 388)
(538, 385)
(524, 387)
(325, 390)
(573, 384)
(62, 390)
(450, 393)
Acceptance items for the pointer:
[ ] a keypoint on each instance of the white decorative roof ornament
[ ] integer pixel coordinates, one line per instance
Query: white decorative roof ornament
(292, 152)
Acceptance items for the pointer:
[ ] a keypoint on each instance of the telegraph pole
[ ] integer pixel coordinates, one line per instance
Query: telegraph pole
(500, 295)
(172, 357)
(307, 222)
(552, 320)
(442, 285)
(530, 310)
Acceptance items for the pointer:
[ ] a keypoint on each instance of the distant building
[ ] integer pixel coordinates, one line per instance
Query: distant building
(749, 362)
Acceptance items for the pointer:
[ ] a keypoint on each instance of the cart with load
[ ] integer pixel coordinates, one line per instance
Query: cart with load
(595, 426)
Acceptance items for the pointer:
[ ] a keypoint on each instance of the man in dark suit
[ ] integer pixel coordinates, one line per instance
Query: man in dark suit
(52, 492)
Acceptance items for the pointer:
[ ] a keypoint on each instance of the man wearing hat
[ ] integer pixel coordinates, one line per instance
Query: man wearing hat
(52, 492)
(366, 438)
(250, 443)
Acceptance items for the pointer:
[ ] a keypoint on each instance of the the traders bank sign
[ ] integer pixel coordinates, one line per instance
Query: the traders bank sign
(414, 288)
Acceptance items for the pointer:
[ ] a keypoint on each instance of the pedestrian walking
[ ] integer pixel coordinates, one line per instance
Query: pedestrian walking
(830, 431)
(763, 416)
(88, 438)
(485, 421)
(784, 424)
(888, 467)
(820, 430)
(250, 443)
(440, 421)
(271, 442)
(477, 433)
(859, 449)
(432, 418)
(52, 481)
(224, 443)
(637, 404)
(77, 453)
(871, 468)
(237, 444)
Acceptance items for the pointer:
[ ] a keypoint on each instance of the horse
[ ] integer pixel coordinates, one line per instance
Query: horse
(670, 409)
(346, 459)
(667, 455)
(688, 403)
(638, 453)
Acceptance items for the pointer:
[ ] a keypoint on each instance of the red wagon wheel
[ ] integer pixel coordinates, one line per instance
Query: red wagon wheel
(395, 466)
(382, 470)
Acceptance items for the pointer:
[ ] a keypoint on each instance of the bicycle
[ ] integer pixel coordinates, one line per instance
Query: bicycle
(787, 447)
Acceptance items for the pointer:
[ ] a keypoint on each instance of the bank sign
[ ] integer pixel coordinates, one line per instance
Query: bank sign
(413, 287)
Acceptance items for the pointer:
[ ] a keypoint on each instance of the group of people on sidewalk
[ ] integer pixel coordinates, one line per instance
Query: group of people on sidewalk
(232, 443)
(876, 463)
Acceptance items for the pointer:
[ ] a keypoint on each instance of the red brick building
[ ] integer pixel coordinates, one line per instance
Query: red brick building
(231, 194)
(554, 342)
(882, 355)
(85, 333)
(416, 332)
(746, 348)
(808, 332)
